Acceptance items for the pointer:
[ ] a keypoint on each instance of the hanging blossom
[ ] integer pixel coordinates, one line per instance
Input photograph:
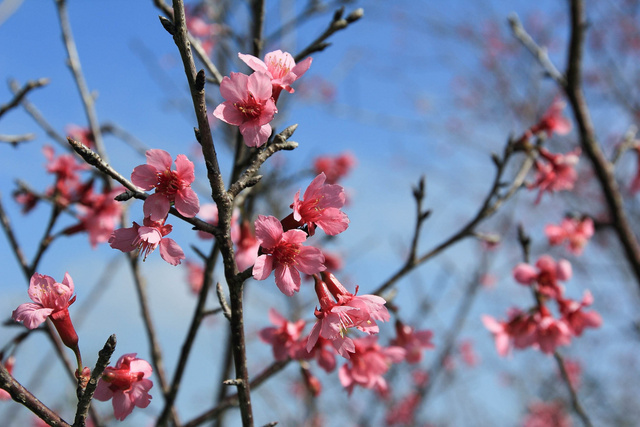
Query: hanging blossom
(172, 186)
(369, 362)
(127, 384)
(50, 300)
(98, 214)
(320, 207)
(577, 319)
(340, 311)
(575, 232)
(336, 167)
(555, 172)
(146, 238)
(552, 121)
(280, 67)
(284, 337)
(412, 341)
(283, 252)
(546, 275)
(248, 105)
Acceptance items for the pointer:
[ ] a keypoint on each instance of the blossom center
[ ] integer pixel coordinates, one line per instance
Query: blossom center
(250, 108)
(286, 253)
(169, 183)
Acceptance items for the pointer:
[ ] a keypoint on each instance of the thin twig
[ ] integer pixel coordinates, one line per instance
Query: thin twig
(15, 246)
(21, 93)
(17, 139)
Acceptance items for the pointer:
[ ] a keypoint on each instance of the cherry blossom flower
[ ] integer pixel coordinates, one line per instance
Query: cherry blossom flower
(284, 253)
(280, 67)
(555, 172)
(552, 121)
(8, 365)
(550, 332)
(546, 414)
(321, 207)
(50, 300)
(519, 331)
(247, 246)
(574, 231)
(67, 188)
(26, 198)
(412, 341)
(340, 310)
(335, 168)
(368, 364)
(283, 337)
(127, 384)
(248, 105)
(146, 238)
(172, 186)
(576, 318)
(323, 351)
(98, 215)
(547, 275)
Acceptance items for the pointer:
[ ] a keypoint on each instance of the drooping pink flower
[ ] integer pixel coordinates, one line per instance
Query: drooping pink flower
(26, 198)
(414, 342)
(578, 319)
(547, 275)
(335, 168)
(280, 67)
(127, 384)
(323, 351)
(283, 337)
(247, 246)
(248, 105)
(550, 332)
(555, 172)
(552, 121)
(284, 253)
(98, 215)
(67, 188)
(518, 331)
(368, 364)
(50, 300)
(574, 231)
(172, 186)
(321, 207)
(146, 238)
(547, 414)
(340, 311)
(8, 365)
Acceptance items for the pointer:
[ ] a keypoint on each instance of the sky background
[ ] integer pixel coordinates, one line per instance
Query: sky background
(396, 75)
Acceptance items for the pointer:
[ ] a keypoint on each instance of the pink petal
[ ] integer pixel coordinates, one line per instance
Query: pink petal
(68, 282)
(32, 315)
(259, 84)
(187, 202)
(123, 239)
(229, 114)
(564, 270)
(145, 177)
(170, 251)
(276, 318)
(103, 392)
(268, 231)
(235, 88)
(184, 168)
(122, 405)
(139, 392)
(310, 260)
(263, 267)
(313, 337)
(159, 159)
(254, 63)
(287, 279)
(156, 206)
(255, 135)
(525, 274)
(37, 283)
(301, 68)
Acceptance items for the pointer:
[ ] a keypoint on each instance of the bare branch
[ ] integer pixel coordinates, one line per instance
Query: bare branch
(20, 94)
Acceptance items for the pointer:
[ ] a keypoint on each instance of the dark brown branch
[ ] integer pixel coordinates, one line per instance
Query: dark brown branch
(21, 93)
(11, 237)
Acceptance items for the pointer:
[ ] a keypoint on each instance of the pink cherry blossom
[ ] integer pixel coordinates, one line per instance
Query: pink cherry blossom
(552, 121)
(280, 67)
(546, 275)
(555, 172)
(335, 168)
(172, 186)
(50, 300)
(414, 342)
(578, 319)
(340, 311)
(248, 105)
(98, 215)
(368, 364)
(550, 332)
(146, 238)
(209, 213)
(284, 337)
(321, 207)
(573, 231)
(67, 188)
(8, 365)
(195, 276)
(323, 351)
(127, 384)
(284, 253)
(547, 414)
(519, 331)
(247, 246)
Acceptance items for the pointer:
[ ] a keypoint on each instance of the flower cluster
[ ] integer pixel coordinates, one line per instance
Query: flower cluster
(555, 172)
(251, 100)
(572, 231)
(552, 121)
(537, 327)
